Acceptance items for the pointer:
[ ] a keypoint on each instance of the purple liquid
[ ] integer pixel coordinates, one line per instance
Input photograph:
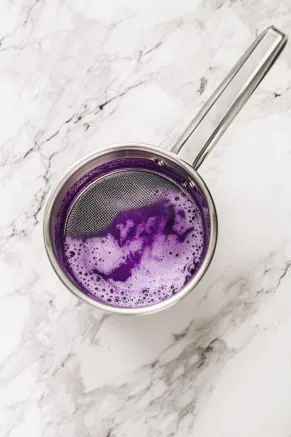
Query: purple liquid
(145, 256)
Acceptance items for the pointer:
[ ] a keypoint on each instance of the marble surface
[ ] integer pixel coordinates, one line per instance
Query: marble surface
(74, 77)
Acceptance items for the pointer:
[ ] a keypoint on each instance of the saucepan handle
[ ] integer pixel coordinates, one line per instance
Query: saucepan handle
(213, 119)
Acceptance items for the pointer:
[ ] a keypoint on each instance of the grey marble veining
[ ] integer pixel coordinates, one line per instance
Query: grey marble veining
(77, 76)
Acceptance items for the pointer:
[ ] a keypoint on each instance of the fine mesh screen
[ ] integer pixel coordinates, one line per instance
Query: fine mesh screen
(101, 202)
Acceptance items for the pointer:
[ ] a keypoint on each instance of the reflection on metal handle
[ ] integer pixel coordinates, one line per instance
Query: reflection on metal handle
(213, 119)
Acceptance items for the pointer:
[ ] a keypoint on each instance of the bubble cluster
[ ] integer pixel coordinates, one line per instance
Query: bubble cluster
(145, 256)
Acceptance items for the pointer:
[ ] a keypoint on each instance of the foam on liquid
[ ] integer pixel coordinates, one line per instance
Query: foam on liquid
(144, 257)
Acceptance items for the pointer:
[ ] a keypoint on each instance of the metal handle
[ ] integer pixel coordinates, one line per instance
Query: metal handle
(213, 119)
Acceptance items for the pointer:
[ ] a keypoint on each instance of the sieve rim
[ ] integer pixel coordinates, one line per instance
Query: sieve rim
(159, 152)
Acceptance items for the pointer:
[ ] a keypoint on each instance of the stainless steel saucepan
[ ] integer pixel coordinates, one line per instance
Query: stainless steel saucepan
(184, 160)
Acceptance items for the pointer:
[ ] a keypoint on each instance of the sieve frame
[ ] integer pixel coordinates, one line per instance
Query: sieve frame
(100, 157)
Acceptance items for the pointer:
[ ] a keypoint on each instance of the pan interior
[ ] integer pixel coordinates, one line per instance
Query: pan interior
(134, 236)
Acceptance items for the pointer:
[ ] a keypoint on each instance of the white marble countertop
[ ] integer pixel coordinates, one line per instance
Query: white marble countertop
(76, 76)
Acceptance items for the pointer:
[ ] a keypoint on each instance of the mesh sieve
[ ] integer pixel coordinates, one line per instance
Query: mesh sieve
(98, 205)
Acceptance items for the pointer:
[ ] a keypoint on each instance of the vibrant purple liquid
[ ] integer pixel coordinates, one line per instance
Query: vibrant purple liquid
(145, 256)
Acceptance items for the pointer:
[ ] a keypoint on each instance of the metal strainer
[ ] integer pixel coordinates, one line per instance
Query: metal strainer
(132, 176)
(97, 206)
